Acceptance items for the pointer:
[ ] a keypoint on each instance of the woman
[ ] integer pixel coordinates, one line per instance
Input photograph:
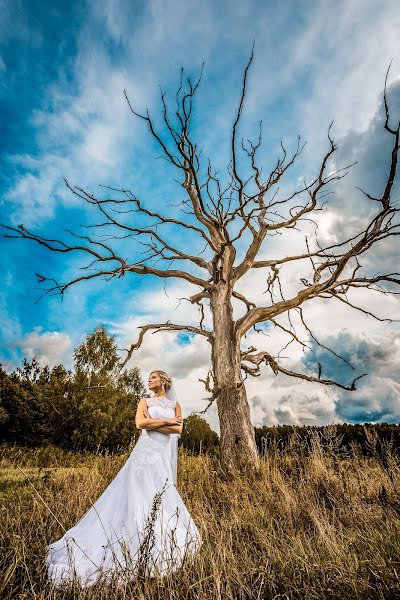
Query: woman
(140, 523)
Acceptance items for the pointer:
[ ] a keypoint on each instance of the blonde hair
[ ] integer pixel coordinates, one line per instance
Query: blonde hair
(165, 378)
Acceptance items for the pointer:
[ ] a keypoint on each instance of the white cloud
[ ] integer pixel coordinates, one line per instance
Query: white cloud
(349, 64)
(49, 347)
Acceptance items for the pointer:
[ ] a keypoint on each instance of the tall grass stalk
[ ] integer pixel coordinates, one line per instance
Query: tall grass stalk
(309, 523)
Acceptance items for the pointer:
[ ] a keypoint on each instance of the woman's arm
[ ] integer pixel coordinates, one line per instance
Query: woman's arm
(176, 424)
(168, 429)
(144, 421)
(173, 428)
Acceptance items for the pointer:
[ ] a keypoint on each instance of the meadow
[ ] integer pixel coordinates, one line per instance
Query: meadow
(304, 525)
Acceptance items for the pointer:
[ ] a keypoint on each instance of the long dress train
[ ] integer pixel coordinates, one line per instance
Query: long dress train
(139, 522)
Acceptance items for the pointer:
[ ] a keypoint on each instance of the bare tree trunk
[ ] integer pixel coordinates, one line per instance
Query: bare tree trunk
(238, 446)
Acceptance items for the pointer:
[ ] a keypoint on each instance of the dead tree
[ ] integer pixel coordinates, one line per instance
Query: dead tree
(214, 206)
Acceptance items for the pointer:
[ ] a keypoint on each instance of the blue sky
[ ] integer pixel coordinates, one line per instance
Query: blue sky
(63, 69)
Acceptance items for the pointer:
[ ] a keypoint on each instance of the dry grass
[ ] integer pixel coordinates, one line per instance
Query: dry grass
(306, 527)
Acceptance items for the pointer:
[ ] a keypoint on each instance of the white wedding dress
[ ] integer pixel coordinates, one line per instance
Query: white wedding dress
(139, 522)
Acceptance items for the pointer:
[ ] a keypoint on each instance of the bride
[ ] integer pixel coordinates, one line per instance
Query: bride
(140, 522)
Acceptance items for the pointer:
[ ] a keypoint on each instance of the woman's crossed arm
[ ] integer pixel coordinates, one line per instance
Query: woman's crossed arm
(144, 421)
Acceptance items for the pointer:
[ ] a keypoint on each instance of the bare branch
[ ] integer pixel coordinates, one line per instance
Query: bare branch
(151, 213)
(125, 267)
(233, 144)
(168, 326)
(89, 197)
(313, 190)
(379, 228)
(265, 357)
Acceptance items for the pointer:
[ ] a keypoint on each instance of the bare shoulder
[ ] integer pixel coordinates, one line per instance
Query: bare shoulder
(178, 410)
(142, 402)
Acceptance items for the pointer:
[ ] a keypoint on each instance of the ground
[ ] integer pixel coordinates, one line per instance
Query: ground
(309, 527)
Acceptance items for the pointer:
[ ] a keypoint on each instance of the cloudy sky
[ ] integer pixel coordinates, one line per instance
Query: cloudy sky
(64, 67)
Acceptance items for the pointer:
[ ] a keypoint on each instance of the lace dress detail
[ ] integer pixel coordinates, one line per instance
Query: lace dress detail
(109, 535)
(161, 401)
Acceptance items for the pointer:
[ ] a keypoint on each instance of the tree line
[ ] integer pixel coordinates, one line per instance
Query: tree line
(90, 408)
(340, 438)
(93, 407)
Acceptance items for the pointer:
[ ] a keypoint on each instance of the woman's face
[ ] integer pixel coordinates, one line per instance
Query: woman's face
(155, 383)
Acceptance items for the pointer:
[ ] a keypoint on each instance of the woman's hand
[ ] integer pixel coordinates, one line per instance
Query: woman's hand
(175, 421)
(173, 425)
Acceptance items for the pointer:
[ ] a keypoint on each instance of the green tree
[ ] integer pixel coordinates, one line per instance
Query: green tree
(23, 406)
(197, 435)
(105, 398)
(92, 407)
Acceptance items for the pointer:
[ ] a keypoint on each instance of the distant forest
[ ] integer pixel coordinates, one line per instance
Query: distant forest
(93, 408)
(339, 439)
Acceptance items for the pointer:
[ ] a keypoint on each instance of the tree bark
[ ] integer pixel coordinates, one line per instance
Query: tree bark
(237, 440)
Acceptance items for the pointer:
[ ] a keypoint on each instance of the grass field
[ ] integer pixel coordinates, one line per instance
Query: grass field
(303, 526)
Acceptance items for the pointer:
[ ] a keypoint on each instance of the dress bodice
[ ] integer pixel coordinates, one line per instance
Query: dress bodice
(160, 407)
